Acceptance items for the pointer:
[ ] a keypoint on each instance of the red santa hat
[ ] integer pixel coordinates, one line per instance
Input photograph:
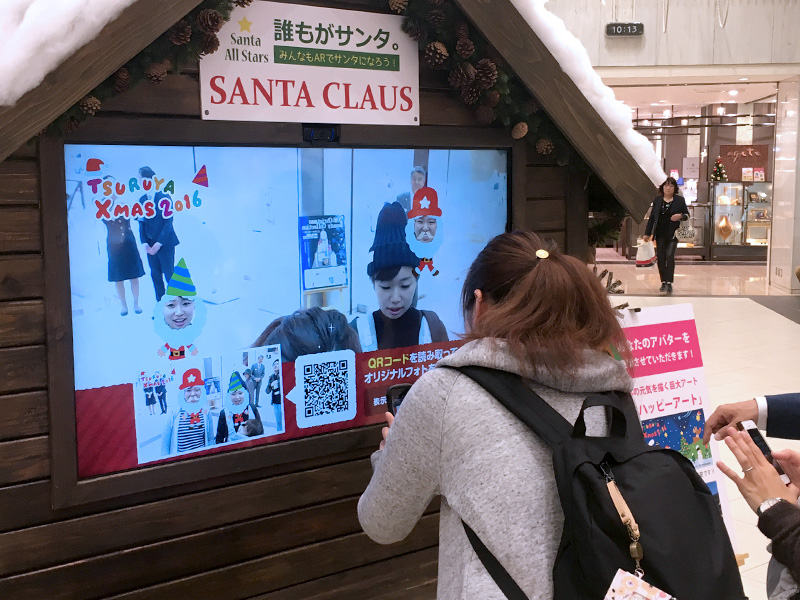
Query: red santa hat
(93, 164)
(426, 203)
(191, 378)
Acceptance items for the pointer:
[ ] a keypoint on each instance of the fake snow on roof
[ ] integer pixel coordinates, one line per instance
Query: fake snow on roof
(36, 36)
(574, 61)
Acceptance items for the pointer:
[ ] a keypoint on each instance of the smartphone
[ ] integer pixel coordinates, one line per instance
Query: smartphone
(751, 428)
(395, 396)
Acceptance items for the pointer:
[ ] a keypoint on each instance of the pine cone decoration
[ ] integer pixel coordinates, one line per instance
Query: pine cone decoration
(520, 131)
(471, 93)
(492, 98)
(71, 125)
(462, 30)
(487, 73)
(435, 54)
(436, 17)
(122, 80)
(210, 20)
(242, 3)
(157, 72)
(209, 44)
(89, 105)
(545, 146)
(486, 114)
(465, 48)
(180, 33)
(415, 30)
(398, 6)
(532, 106)
(462, 74)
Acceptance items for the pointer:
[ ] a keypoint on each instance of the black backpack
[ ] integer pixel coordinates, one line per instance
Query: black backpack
(686, 549)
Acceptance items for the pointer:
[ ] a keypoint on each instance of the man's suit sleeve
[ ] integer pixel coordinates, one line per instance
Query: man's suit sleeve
(783, 416)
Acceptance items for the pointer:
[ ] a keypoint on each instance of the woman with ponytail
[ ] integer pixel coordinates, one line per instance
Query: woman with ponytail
(528, 310)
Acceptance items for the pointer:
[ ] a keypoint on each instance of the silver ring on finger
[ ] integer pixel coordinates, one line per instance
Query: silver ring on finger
(747, 469)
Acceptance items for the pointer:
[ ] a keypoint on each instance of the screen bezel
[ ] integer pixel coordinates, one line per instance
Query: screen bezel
(237, 465)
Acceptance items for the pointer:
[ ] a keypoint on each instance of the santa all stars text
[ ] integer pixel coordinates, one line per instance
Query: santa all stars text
(245, 54)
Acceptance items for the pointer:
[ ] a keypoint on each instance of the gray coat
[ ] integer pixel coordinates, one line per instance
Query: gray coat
(453, 439)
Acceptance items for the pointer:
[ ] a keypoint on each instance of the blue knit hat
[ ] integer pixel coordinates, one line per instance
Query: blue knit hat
(390, 248)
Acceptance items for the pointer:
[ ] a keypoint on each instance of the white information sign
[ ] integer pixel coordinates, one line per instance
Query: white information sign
(670, 389)
(285, 62)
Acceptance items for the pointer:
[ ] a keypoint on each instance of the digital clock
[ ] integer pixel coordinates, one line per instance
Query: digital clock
(624, 29)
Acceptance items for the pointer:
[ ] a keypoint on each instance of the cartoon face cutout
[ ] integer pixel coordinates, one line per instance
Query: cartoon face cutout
(395, 296)
(192, 395)
(237, 398)
(425, 228)
(178, 312)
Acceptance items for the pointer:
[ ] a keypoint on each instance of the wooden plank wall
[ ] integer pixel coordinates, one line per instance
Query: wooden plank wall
(289, 533)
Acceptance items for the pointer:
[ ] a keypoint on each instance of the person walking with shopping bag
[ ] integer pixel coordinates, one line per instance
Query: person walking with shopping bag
(669, 209)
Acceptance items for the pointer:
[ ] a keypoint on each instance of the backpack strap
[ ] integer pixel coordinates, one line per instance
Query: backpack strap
(501, 577)
(525, 404)
(530, 408)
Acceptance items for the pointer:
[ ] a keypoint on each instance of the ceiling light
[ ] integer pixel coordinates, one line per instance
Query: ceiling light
(663, 101)
(684, 121)
(654, 104)
(733, 93)
(743, 79)
(667, 113)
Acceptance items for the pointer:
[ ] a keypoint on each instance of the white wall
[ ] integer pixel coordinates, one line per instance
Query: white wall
(755, 32)
(785, 243)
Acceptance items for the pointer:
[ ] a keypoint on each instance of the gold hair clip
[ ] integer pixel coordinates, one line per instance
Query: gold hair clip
(542, 254)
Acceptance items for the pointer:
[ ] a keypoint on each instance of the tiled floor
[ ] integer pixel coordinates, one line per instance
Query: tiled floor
(748, 350)
(691, 278)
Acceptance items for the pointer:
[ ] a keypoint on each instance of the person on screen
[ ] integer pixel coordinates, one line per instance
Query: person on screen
(239, 419)
(274, 386)
(396, 324)
(249, 385)
(190, 427)
(124, 262)
(160, 383)
(424, 228)
(419, 178)
(178, 312)
(309, 331)
(148, 385)
(158, 237)
(258, 371)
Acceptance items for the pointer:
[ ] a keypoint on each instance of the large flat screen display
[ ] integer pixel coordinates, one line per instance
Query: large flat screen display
(224, 297)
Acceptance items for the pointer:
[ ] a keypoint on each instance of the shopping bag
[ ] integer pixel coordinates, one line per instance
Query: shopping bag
(646, 255)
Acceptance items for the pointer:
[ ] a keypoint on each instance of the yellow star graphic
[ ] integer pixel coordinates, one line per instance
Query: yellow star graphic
(244, 25)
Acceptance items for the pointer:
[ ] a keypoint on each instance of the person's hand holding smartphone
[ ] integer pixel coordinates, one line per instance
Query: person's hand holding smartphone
(752, 430)
(759, 480)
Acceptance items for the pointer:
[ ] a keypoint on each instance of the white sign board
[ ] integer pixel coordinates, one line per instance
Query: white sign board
(670, 389)
(691, 167)
(285, 62)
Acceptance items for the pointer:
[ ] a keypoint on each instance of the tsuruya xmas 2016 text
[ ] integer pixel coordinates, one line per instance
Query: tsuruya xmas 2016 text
(145, 208)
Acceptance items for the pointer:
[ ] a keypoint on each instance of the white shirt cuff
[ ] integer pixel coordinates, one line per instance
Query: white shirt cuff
(761, 423)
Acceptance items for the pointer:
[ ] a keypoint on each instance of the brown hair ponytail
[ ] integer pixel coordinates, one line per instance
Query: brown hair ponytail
(549, 309)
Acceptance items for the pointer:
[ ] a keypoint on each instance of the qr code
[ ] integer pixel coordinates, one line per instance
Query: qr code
(325, 388)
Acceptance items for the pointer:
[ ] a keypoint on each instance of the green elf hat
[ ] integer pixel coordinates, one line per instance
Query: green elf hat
(181, 283)
(235, 383)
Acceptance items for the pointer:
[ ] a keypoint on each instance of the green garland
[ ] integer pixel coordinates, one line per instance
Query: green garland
(185, 42)
(432, 22)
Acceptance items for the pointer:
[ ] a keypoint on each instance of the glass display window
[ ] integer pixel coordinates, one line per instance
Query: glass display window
(729, 213)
